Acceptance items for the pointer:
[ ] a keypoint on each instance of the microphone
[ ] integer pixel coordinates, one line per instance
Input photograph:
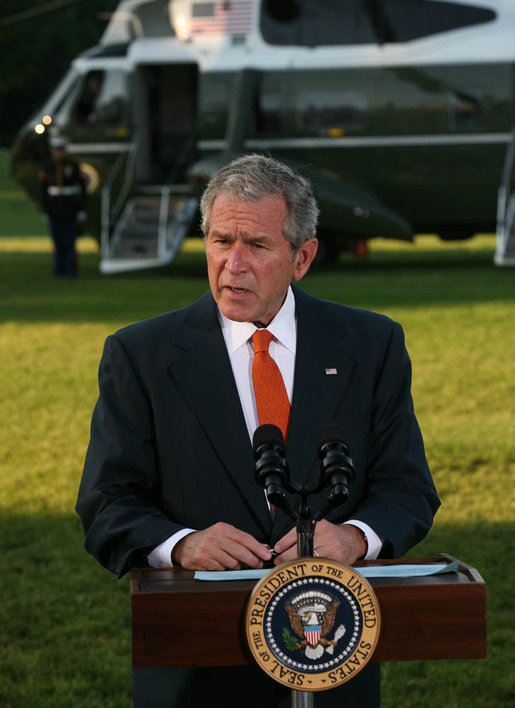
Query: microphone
(336, 466)
(271, 467)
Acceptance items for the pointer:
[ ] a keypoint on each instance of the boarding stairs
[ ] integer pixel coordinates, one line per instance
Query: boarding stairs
(505, 235)
(143, 226)
(150, 231)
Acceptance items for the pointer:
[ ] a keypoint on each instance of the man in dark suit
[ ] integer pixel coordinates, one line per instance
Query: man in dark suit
(169, 473)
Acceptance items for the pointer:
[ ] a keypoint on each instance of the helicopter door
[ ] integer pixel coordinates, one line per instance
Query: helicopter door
(165, 122)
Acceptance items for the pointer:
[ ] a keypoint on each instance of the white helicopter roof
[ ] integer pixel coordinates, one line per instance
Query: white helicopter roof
(191, 31)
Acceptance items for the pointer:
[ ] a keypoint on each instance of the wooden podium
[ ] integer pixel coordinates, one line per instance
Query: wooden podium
(179, 621)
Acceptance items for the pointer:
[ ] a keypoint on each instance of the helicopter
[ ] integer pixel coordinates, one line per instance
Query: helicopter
(399, 112)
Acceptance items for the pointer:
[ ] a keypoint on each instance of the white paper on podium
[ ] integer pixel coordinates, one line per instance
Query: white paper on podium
(406, 570)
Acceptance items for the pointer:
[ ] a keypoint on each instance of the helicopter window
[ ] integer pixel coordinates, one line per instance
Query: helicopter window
(61, 94)
(325, 110)
(311, 22)
(102, 100)
(269, 107)
(149, 19)
(465, 112)
(332, 22)
(215, 97)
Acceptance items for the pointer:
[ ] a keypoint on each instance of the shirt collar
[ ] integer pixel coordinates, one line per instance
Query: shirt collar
(283, 327)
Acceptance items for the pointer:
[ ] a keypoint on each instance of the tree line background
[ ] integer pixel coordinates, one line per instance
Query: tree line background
(38, 40)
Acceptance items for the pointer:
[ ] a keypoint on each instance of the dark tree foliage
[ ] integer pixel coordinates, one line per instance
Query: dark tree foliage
(36, 52)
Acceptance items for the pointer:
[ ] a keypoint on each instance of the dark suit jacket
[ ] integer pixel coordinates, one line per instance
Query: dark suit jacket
(169, 446)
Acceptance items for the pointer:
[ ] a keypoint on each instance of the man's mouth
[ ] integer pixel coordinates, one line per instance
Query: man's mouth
(237, 291)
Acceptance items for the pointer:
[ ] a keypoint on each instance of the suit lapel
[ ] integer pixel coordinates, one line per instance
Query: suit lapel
(323, 369)
(202, 371)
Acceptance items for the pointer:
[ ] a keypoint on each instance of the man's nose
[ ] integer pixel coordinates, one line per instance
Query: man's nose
(236, 258)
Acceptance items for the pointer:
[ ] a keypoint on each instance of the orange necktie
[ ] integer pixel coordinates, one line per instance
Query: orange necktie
(272, 402)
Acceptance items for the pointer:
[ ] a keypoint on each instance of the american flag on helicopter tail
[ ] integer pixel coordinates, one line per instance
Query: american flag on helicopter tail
(233, 17)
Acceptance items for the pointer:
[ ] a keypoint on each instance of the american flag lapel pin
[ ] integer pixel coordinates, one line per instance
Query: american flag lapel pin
(331, 372)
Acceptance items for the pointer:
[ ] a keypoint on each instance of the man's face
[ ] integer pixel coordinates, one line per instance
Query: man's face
(249, 261)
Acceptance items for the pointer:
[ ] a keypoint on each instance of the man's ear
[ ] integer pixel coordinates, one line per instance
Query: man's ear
(304, 257)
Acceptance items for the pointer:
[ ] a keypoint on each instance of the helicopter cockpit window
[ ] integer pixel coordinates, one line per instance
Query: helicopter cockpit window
(343, 22)
(102, 100)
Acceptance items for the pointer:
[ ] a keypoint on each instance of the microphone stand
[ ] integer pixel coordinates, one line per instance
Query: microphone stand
(305, 526)
(305, 536)
(272, 473)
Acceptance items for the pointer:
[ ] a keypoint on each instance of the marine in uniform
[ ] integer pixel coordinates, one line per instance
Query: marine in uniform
(63, 201)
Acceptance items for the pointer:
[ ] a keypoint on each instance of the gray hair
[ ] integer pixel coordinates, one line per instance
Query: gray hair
(252, 177)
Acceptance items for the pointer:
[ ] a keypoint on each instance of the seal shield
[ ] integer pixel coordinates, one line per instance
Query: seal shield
(312, 623)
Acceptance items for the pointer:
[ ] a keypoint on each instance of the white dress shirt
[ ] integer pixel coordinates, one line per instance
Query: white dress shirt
(238, 340)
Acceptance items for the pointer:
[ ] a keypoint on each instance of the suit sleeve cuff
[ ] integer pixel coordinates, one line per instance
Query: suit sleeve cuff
(161, 556)
(374, 542)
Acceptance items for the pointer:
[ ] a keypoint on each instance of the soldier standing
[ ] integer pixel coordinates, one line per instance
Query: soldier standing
(63, 200)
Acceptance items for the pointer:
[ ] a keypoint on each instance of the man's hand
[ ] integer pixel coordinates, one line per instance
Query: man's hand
(220, 547)
(344, 543)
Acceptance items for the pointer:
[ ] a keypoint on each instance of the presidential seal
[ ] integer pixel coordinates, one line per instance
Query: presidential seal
(312, 623)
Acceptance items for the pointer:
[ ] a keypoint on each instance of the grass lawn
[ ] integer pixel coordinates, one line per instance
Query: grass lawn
(65, 622)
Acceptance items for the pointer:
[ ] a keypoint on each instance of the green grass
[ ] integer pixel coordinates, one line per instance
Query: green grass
(19, 216)
(65, 622)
